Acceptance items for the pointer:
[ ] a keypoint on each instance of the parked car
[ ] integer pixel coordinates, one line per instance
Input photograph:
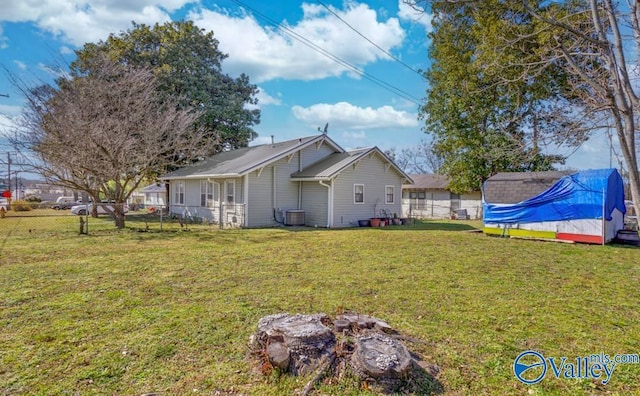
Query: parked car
(103, 208)
(65, 203)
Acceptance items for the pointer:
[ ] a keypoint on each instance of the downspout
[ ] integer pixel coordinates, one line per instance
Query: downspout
(299, 182)
(245, 199)
(274, 197)
(330, 203)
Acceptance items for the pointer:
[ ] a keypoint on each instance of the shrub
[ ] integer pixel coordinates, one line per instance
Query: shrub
(33, 198)
(20, 206)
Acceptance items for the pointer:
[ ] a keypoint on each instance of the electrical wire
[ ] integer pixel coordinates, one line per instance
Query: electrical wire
(389, 87)
(370, 41)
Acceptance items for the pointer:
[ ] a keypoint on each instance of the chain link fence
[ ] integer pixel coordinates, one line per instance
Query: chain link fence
(80, 219)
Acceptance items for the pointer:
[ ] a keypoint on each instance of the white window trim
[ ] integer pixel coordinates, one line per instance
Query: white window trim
(217, 188)
(226, 192)
(354, 194)
(393, 193)
(180, 192)
(206, 189)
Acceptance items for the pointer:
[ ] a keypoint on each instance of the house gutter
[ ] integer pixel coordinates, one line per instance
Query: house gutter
(330, 201)
(245, 196)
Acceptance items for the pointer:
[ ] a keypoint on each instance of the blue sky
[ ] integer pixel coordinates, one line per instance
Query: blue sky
(302, 89)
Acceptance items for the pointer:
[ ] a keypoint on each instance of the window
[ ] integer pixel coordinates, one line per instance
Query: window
(358, 193)
(206, 194)
(422, 195)
(178, 193)
(230, 187)
(389, 194)
(413, 195)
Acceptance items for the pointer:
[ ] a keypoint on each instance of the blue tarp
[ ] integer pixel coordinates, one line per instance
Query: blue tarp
(581, 195)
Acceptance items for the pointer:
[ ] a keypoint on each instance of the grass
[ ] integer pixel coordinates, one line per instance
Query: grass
(126, 312)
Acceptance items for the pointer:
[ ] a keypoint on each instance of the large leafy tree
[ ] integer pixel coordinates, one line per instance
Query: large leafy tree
(584, 56)
(482, 116)
(188, 65)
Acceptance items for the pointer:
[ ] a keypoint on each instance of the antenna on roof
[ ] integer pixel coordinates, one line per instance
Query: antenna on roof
(324, 131)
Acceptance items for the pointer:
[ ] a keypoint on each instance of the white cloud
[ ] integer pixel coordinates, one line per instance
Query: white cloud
(7, 120)
(3, 39)
(21, 65)
(347, 116)
(64, 50)
(415, 15)
(81, 21)
(54, 72)
(267, 53)
(264, 99)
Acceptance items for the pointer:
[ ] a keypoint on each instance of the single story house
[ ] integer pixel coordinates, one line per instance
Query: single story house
(307, 181)
(429, 197)
(154, 195)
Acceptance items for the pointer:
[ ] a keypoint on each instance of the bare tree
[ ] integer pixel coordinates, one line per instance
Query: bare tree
(597, 44)
(104, 132)
(421, 158)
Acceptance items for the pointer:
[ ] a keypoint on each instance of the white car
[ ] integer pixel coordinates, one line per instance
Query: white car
(103, 208)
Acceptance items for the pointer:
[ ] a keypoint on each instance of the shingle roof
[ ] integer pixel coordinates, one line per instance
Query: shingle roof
(329, 166)
(428, 181)
(514, 187)
(244, 160)
(333, 164)
(530, 176)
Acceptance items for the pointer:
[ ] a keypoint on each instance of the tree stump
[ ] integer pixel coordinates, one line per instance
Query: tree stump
(305, 344)
(381, 357)
(301, 341)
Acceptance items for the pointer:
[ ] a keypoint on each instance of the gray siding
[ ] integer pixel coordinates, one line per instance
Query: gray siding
(192, 202)
(260, 210)
(371, 172)
(315, 204)
(261, 196)
(312, 154)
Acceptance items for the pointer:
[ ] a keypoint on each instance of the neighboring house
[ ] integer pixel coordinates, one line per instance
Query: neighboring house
(429, 197)
(154, 195)
(308, 181)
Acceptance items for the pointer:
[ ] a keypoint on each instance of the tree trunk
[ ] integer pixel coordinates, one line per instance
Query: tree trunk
(119, 216)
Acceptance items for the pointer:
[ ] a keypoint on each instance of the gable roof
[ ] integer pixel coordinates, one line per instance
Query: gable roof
(244, 160)
(429, 181)
(513, 187)
(332, 165)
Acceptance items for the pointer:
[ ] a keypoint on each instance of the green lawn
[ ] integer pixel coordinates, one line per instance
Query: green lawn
(128, 312)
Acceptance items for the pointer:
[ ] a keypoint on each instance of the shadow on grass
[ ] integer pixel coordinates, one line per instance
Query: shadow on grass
(415, 225)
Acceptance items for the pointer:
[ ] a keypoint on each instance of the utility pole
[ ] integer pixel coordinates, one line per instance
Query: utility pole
(9, 172)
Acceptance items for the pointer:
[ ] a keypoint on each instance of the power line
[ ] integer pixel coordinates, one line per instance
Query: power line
(389, 87)
(371, 42)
